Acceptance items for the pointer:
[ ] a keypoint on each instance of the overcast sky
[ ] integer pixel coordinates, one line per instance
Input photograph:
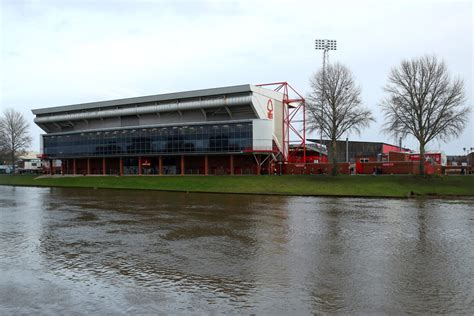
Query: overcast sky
(65, 52)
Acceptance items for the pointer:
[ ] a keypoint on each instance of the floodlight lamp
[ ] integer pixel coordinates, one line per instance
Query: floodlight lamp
(325, 44)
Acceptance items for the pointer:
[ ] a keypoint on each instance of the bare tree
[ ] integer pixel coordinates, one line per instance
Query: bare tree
(14, 135)
(423, 101)
(335, 106)
(3, 156)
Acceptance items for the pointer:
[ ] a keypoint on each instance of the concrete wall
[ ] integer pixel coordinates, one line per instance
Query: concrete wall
(278, 123)
(262, 134)
(270, 111)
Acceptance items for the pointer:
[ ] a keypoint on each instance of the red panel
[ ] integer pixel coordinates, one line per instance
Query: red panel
(388, 148)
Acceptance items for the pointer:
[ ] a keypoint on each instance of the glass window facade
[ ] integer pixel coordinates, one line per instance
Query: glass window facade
(215, 138)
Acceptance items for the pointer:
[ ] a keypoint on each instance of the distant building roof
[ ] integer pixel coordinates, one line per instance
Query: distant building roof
(313, 147)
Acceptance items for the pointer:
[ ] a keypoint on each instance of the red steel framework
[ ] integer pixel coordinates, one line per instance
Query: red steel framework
(292, 106)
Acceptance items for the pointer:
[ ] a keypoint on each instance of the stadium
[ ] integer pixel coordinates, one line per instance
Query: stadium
(233, 130)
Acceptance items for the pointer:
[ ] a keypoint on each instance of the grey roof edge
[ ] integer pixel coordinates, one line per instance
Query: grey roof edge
(267, 92)
(149, 98)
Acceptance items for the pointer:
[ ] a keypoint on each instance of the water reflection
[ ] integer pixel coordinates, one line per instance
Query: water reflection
(106, 251)
(433, 257)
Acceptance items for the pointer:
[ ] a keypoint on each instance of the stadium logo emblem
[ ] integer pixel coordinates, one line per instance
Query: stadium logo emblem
(270, 109)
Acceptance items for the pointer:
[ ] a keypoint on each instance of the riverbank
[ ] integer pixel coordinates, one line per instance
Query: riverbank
(367, 186)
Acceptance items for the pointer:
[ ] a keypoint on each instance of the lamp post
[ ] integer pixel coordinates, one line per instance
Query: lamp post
(325, 45)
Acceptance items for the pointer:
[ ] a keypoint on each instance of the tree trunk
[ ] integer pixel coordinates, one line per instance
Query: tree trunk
(422, 159)
(333, 158)
(13, 161)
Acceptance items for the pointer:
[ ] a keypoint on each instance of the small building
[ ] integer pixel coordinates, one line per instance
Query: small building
(457, 160)
(360, 150)
(396, 162)
(29, 163)
(315, 153)
(460, 164)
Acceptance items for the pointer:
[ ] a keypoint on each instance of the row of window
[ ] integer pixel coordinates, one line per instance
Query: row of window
(136, 135)
(199, 139)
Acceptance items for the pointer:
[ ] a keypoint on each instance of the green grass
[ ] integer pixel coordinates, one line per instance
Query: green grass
(370, 186)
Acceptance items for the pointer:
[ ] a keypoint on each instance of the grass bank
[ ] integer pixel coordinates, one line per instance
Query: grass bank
(370, 186)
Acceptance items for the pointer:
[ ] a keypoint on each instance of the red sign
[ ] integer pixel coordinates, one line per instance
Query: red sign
(270, 109)
(428, 156)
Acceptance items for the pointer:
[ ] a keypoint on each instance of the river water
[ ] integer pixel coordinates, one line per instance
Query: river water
(84, 251)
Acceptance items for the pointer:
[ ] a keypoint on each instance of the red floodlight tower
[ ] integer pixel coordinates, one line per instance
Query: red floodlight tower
(294, 111)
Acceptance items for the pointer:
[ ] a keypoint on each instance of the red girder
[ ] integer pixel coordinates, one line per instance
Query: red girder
(289, 113)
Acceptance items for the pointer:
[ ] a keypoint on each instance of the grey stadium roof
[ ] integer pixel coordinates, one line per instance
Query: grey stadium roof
(145, 99)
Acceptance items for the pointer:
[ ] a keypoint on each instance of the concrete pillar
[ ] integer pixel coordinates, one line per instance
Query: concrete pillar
(160, 165)
(139, 166)
(206, 165)
(63, 167)
(74, 166)
(182, 165)
(104, 172)
(121, 166)
(88, 166)
(232, 165)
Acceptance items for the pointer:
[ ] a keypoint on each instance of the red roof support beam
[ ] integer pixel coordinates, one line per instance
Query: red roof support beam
(290, 113)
